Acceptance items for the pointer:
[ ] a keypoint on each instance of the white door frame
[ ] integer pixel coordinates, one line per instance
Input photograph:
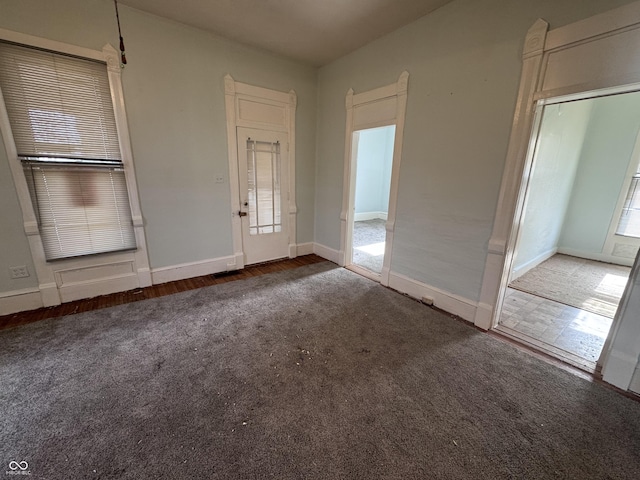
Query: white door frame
(585, 59)
(264, 109)
(375, 108)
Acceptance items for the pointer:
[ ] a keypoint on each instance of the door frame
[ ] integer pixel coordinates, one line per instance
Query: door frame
(380, 107)
(565, 62)
(264, 109)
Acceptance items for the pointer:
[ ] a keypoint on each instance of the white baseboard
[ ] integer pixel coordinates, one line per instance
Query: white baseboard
(304, 249)
(531, 264)
(326, 252)
(20, 300)
(449, 302)
(362, 216)
(600, 257)
(101, 286)
(192, 269)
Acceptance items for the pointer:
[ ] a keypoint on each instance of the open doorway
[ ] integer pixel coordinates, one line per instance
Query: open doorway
(373, 152)
(579, 230)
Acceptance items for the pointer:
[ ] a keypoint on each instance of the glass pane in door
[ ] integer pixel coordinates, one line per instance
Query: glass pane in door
(263, 180)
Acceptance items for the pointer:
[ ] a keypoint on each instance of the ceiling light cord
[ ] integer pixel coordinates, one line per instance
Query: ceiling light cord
(123, 57)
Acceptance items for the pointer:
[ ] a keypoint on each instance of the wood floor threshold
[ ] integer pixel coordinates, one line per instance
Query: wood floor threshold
(592, 375)
(154, 291)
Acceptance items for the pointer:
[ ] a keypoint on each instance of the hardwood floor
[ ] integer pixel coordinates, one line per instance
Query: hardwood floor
(21, 318)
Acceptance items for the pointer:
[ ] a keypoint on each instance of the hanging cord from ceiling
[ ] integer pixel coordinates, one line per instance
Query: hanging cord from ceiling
(123, 57)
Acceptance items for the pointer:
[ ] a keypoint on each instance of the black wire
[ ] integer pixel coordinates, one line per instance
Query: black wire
(122, 56)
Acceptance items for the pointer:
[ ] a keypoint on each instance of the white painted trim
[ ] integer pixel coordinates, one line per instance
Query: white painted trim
(326, 253)
(52, 45)
(20, 300)
(598, 257)
(511, 198)
(51, 291)
(447, 301)
(536, 70)
(364, 272)
(364, 216)
(398, 91)
(234, 92)
(304, 249)
(531, 264)
(192, 269)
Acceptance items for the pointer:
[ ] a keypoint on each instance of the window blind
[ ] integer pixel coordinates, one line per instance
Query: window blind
(629, 224)
(82, 210)
(65, 133)
(58, 106)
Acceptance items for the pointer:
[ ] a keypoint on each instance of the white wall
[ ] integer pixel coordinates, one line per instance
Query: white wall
(609, 143)
(174, 95)
(464, 61)
(374, 162)
(560, 141)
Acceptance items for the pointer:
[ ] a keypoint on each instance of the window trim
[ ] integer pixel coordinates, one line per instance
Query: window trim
(50, 275)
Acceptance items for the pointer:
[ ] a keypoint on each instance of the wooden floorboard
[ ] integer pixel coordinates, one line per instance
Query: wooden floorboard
(154, 291)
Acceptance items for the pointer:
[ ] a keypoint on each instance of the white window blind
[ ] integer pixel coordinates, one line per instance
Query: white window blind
(81, 210)
(58, 106)
(629, 224)
(65, 133)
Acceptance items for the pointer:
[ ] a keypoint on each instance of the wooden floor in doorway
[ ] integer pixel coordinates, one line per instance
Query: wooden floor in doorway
(21, 318)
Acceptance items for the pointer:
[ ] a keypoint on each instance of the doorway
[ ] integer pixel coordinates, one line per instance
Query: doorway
(375, 125)
(373, 160)
(579, 229)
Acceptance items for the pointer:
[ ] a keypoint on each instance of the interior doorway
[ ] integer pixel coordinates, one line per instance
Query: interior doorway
(373, 161)
(579, 228)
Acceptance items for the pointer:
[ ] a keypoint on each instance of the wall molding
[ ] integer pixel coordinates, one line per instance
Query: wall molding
(531, 264)
(15, 301)
(327, 253)
(304, 249)
(447, 301)
(363, 216)
(599, 257)
(182, 271)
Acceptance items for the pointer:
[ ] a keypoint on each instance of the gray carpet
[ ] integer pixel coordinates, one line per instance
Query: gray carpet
(312, 373)
(368, 233)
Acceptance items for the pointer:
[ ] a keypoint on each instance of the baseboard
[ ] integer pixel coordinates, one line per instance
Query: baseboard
(326, 252)
(102, 286)
(20, 300)
(531, 264)
(362, 216)
(449, 302)
(304, 249)
(599, 257)
(192, 269)
(619, 369)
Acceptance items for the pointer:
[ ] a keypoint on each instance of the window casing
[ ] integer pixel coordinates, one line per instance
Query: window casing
(63, 124)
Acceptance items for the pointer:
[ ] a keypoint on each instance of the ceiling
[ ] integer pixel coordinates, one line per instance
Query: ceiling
(315, 32)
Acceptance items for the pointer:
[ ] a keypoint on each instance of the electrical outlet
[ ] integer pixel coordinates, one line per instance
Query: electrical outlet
(219, 178)
(19, 272)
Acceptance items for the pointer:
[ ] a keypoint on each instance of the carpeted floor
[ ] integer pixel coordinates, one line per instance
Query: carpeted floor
(585, 284)
(312, 373)
(368, 244)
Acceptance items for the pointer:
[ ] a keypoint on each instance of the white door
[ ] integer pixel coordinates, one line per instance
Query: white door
(263, 166)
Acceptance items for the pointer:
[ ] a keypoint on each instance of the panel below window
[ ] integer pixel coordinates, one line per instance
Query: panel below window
(82, 210)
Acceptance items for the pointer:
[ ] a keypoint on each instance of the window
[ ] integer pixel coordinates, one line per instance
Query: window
(63, 124)
(629, 224)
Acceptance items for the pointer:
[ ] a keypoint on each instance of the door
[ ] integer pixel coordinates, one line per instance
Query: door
(264, 197)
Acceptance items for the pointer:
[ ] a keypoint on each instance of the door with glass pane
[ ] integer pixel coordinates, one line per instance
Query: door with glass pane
(264, 197)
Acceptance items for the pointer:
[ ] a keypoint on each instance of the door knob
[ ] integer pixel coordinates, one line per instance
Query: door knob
(242, 214)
